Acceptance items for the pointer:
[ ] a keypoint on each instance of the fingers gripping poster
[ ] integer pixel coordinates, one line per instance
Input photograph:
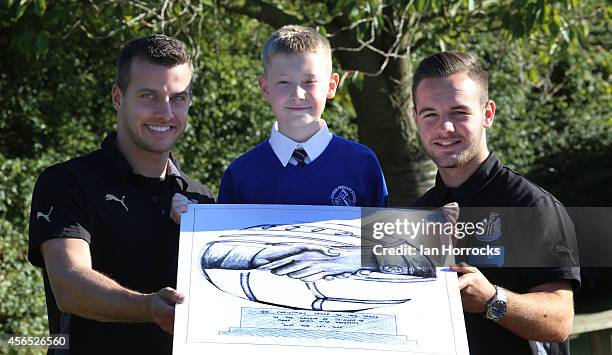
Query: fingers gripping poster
(278, 279)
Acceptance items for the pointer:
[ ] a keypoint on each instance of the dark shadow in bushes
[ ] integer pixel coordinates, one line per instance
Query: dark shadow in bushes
(583, 178)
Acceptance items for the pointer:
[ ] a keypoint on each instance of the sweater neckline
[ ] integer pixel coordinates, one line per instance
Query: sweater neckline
(311, 168)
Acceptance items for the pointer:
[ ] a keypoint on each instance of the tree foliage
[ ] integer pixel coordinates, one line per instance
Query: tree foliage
(55, 98)
(377, 43)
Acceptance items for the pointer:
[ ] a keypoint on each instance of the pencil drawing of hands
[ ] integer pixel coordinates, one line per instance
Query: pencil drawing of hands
(307, 267)
(311, 262)
(307, 262)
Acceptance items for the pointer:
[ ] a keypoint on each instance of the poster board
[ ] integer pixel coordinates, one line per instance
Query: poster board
(244, 294)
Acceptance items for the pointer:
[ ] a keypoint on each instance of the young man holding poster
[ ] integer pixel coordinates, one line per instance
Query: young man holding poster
(99, 223)
(507, 310)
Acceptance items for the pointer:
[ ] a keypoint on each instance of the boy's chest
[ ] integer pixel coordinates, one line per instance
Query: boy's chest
(346, 191)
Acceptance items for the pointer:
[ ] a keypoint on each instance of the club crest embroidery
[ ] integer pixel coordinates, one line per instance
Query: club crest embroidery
(492, 228)
(343, 196)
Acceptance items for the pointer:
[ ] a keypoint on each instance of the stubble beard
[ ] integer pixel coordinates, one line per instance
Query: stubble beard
(151, 148)
(139, 141)
(456, 160)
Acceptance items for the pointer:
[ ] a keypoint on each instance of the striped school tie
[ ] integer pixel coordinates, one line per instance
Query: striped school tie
(300, 156)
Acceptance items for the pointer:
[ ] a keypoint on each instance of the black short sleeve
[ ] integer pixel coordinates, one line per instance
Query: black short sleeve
(58, 211)
(559, 237)
(532, 277)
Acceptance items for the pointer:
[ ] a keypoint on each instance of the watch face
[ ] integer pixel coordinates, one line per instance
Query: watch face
(497, 309)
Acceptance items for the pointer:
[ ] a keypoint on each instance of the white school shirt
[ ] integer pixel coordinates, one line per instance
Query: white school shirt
(284, 146)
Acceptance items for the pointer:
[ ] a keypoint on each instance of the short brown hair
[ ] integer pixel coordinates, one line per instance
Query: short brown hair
(156, 49)
(294, 39)
(445, 64)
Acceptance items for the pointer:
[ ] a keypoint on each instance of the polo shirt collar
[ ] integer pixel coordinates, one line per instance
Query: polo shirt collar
(284, 146)
(121, 165)
(466, 192)
(172, 168)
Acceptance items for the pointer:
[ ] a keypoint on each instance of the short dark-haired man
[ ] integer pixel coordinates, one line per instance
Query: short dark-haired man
(533, 307)
(99, 223)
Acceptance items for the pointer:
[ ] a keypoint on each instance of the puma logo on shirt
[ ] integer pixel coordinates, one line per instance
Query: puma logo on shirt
(110, 197)
(45, 216)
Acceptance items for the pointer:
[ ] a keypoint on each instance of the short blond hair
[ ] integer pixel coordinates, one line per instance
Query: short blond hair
(294, 39)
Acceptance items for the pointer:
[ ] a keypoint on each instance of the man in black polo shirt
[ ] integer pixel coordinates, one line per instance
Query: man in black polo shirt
(99, 224)
(533, 307)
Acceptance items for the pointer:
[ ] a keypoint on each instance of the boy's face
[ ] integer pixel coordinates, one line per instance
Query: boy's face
(297, 86)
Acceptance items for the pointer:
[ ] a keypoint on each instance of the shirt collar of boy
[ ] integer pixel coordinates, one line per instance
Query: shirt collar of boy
(284, 146)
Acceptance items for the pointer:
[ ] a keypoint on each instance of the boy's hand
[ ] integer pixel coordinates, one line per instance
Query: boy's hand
(179, 205)
(450, 211)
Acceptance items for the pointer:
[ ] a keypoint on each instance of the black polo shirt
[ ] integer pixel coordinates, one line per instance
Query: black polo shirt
(125, 219)
(493, 185)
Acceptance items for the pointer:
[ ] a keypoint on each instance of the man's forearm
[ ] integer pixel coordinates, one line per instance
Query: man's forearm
(90, 294)
(544, 313)
(540, 315)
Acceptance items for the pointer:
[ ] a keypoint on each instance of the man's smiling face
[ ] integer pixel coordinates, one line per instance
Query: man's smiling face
(152, 113)
(451, 117)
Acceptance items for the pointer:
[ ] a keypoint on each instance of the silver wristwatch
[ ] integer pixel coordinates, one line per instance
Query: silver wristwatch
(496, 307)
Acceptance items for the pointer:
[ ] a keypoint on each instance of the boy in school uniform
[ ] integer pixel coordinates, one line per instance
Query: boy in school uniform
(302, 162)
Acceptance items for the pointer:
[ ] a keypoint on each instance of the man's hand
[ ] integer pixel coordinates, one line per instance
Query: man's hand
(476, 290)
(179, 205)
(161, 307)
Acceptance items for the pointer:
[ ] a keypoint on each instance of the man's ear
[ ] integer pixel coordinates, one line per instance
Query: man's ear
(334, 81)
(489, 113)
(116, 97)
(414, 115)
(263, 86)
